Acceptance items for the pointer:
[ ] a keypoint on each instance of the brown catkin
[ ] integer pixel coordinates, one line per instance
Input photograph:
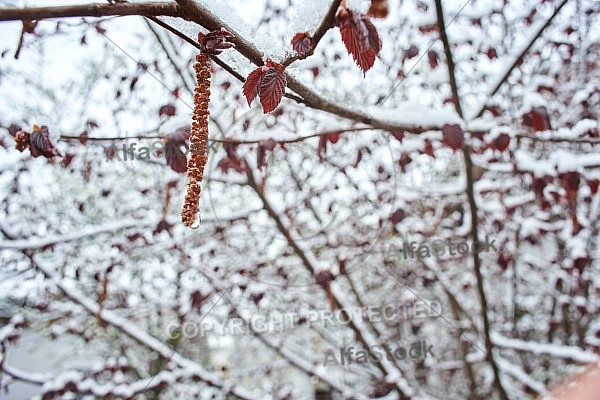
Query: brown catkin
(198, 140)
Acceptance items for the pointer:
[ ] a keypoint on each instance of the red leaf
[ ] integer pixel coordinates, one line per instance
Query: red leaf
(360, 38)
(252, 84)
(303, 43)
(428, 28)
(333, 137)
(501, 142)
(428, 149)
(272, 89)
(537, 119)
(176, 159)
(453, 136)
(433, 58)
(412, 52)
(100, 29)
(168, 109)
(491, 53)
(40, 144)
(399, 136)
(268, 82)
(398, 216)
(378, 9)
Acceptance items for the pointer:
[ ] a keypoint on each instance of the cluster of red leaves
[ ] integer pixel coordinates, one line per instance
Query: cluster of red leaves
(358, 34)
(215, 42)
(268, 83)
(38, 141)
(360, 37)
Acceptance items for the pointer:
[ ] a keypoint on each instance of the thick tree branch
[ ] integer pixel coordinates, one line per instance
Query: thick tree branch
(90, 10)
(201, 15)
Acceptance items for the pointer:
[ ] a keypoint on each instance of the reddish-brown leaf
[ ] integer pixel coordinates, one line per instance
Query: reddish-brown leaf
(453, 136)
(428, 28)
(168, 109)
(433, 58)
(412, 52)
(501, 142)
(428, 148)
(333, 137)
(303, 43)
(398, 136)
(268, 82)
(398, 216)
(176, 159)
(537, 119)
(272, 89)
(40, 144)
(252, 84)
(360, 38)
(216, 41)
(378, 9)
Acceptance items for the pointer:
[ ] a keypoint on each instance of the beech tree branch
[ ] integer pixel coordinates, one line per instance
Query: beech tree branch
(472, 205)
(201, 15)
(326, 24)
(311, 269)
(170, 9)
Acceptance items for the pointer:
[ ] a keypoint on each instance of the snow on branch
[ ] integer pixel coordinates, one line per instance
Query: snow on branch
(40, 243)
(132, 330)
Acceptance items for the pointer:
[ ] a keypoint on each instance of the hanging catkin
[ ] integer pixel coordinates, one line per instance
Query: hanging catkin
(211, 44)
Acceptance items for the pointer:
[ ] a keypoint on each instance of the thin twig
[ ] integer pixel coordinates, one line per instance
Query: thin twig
(472, 204)
(327, 23)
